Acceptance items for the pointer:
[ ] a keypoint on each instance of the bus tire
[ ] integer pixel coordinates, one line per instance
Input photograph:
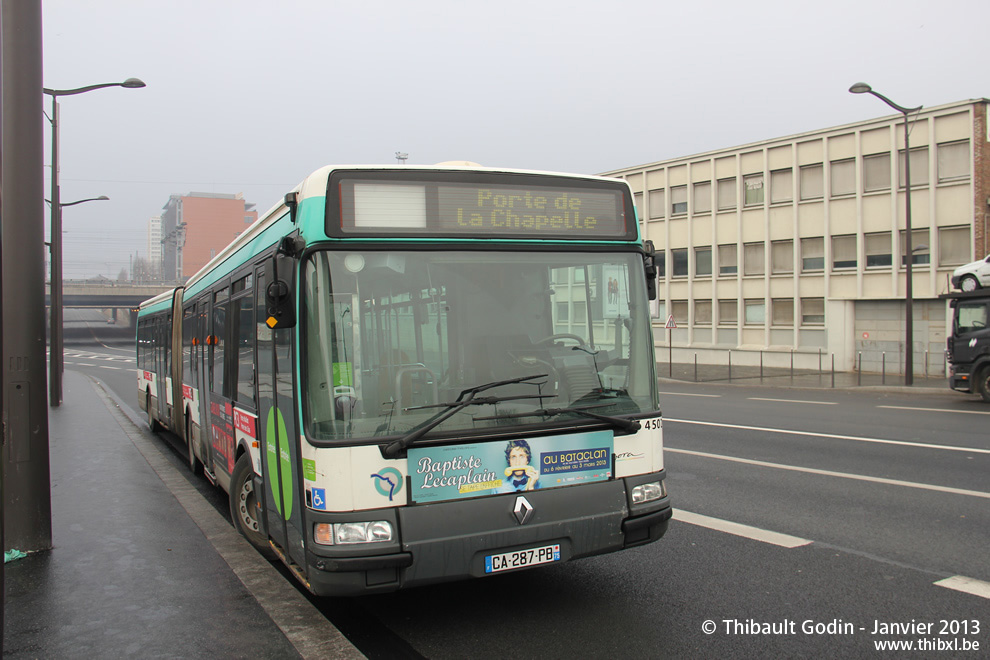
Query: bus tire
(195, 465)
(981, 384)
(152, 422)
(245, 508)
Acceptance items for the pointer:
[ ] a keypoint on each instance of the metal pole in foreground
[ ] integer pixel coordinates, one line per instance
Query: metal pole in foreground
(27, 491)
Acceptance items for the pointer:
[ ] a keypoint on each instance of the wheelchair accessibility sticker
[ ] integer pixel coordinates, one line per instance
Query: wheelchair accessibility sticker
(319, 499)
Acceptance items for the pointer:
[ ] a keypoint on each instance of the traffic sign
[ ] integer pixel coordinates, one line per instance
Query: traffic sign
(670, 323)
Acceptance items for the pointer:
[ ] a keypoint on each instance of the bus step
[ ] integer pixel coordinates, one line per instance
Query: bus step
(212, 478)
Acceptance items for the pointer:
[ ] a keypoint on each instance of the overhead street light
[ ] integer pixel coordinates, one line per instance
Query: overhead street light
(863, 88)
(55, 347)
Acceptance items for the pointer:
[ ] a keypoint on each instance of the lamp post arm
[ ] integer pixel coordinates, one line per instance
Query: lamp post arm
(130, 83)
(899, 108)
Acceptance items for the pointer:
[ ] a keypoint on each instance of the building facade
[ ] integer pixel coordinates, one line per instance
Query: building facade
(155, 243)
(195, 227)
(795, 247)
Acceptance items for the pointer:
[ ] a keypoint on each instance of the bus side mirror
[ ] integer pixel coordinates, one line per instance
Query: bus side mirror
(651, 270)
(279, 294)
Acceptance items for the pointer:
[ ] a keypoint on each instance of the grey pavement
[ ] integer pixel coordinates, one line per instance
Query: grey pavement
(141, 566)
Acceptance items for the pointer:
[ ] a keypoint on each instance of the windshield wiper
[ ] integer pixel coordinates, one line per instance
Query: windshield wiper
(620, 423)
(466, 398)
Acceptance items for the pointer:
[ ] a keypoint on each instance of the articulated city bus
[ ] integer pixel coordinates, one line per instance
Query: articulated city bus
(405, 375)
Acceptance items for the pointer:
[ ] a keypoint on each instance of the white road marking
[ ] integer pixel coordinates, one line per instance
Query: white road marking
(965, 585)
(83, 364)
(103, 366)
(903, 443)
(943, 410)
(755, 533)
(830, 473)
(710, 396)
(816, 403)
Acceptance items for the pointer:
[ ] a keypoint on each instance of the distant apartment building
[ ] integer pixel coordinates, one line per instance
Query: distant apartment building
(155, 243)
(796, 245)
(195, 227)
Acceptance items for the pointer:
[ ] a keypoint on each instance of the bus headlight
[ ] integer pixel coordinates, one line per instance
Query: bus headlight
(377, 531)
(647, 492)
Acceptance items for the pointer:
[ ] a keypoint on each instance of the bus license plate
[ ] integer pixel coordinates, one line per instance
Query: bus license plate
(522, 558)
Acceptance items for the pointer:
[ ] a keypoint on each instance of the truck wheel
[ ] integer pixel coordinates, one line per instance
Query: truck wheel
(969, 283)
(245, 508)
(982, 383)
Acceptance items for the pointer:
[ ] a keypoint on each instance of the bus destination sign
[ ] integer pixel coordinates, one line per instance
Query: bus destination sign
(495, 210)
(461, 205)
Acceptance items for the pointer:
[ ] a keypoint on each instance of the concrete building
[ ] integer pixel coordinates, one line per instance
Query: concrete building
(155, 243)
(195, 227)
(795, 245)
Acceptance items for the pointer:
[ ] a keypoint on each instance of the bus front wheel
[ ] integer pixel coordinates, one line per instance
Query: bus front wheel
(245, 509)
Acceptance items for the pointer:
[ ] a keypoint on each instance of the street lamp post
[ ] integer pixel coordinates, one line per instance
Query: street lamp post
(863, 88)
(55, 347)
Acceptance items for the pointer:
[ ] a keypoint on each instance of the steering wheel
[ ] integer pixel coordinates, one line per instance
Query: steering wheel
(560, 336)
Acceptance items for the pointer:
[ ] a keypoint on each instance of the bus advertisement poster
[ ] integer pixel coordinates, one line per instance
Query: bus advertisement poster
(475, 470)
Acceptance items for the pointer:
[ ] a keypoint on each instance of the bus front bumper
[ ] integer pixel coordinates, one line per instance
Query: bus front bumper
(452, 540)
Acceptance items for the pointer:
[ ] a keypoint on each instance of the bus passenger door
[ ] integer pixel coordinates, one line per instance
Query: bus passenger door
(277, 422)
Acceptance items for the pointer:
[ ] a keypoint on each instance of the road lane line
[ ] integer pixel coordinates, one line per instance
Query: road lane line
(964, 584)
(738, 529)
(965, 412)
(830, 473)
(103, 366)
(815, 403)
(920, 445)
(709, 396)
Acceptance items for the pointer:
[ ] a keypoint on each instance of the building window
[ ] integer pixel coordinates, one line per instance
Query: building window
(919, 245)
(660, 261)
(680, 259)
(878, 254)
(703, 262)
(755, 312)
(781, 186)
(782, 257)
(660, 309)
(726, 194)
(919, 167)
(657, 205)
(812, 184)
(702, 197)
(812, 311)
(728, 312)
(753, 259)
(679, 310)
(782, 312)
(843, 252)
(638, 198)
(727, 264)
(953, 161)
(876, 172)
(678, 200)
(812, 254)
(702, 312)
(843, 178)
(754, 189)
(953, 246)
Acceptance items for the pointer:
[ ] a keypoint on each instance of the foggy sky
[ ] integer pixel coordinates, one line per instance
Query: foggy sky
(251, 96)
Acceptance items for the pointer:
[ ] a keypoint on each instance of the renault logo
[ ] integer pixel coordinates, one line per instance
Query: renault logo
(523, 510)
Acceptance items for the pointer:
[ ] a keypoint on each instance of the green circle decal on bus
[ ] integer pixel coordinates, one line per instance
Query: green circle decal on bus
(279, 464)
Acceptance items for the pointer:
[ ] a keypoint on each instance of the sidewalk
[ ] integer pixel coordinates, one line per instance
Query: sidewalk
(141, 565)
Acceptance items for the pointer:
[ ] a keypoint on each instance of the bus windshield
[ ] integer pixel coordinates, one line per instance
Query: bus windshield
(392, 338)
